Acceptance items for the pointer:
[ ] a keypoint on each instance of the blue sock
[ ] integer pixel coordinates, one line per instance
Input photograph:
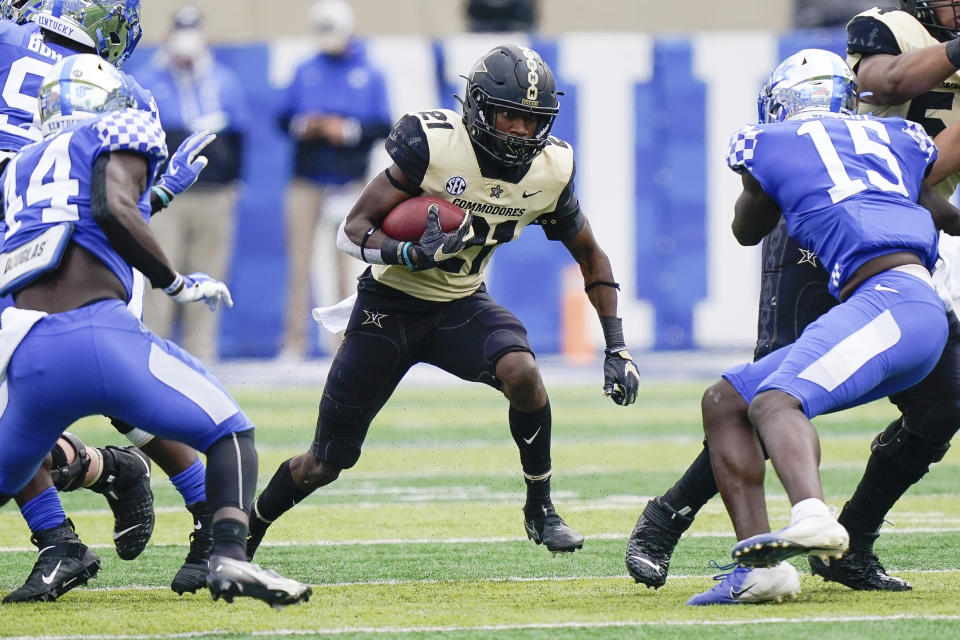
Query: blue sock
(44, 511)
(191, 482)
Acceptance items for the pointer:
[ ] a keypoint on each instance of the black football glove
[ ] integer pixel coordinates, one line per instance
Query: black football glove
(621, 380)
(435, 245)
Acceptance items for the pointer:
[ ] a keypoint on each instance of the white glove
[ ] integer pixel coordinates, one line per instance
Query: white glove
(199, 286)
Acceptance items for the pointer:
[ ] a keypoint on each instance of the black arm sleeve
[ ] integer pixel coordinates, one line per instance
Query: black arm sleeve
(119, 236)
(566, 220)
(407, 146)
(869, 36)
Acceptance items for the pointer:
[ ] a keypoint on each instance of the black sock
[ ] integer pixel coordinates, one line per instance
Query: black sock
(882, 484)
(231, 471)
(280, 495)
(538, 493)
(694, 488)
(531, 432)
(230, 539)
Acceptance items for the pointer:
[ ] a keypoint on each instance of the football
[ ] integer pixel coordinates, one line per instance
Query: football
(408, 219)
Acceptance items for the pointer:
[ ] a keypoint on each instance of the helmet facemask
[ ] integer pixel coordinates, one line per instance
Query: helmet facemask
(925, 13)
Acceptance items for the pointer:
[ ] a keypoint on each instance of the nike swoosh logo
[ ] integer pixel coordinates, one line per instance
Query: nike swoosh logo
(880, 287)
(529, 195)
(442, 255)
(117, 534)
(652, 565)
(533, 437)
(735, 595)
(53, 574)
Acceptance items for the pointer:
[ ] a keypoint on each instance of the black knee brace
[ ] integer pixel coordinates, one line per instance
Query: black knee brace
(69, 476)
(334, 441)
(907, 449)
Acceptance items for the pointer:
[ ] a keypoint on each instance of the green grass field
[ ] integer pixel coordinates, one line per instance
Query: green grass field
(424, 538)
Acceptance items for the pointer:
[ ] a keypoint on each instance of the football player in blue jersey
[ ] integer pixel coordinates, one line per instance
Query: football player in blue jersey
(76, 208)
(851, 190)
(425, 301)
(907, 63)
(122, 474)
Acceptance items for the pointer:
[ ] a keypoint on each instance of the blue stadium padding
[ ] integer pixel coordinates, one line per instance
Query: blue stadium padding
(678, 269)
(526, 275)
(830, 39)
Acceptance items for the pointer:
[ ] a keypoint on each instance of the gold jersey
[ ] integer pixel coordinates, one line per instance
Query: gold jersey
(500, 209)
(934, 110)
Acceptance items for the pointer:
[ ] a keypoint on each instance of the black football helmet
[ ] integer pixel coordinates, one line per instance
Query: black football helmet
(923, 11)
(513, 77)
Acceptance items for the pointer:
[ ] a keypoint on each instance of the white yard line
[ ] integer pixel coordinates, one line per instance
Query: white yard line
(479, 540)
(506, 627)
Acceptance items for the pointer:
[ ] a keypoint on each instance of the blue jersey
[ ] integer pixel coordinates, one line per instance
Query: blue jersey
(48, 182)
(24, 60)
(847, 186)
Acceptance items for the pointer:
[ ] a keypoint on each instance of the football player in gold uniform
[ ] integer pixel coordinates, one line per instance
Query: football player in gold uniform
(425, 301)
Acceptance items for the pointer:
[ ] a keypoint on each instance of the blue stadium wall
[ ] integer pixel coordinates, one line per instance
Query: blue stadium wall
(649, 119)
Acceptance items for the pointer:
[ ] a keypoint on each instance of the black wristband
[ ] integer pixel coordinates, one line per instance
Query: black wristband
(601, 283)
(953, 52)
(391, 251)
(612, 332)
(363, 243)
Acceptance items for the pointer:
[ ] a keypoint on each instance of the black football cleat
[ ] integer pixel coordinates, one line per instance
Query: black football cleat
(859, 570)
(64, 563)
(652, 542)
(545, 527)
(193, 574)
(228, 578)
(126, 486)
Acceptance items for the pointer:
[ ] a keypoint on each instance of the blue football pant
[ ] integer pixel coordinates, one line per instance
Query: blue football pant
(100, 360)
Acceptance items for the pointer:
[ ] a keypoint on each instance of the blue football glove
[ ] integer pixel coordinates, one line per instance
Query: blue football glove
(200, 286)
(185, 165)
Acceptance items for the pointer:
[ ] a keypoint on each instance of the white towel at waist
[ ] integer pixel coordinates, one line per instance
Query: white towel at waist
(335, 318)
(14, 325)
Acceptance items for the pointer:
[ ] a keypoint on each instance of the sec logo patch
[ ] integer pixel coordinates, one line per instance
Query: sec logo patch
(456, 185)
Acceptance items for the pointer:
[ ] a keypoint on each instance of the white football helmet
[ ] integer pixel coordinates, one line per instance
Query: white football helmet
(811, 80)
(80, 87)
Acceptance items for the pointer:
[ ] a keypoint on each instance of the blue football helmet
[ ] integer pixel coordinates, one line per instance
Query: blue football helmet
(109, 27)
(811, 80)
(78, 88)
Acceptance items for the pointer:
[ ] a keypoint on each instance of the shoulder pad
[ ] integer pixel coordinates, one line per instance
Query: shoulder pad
(132, 130)
(742, 145)
(921, 137)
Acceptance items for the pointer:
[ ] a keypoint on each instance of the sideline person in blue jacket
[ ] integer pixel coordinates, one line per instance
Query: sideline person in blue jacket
(335, 109)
